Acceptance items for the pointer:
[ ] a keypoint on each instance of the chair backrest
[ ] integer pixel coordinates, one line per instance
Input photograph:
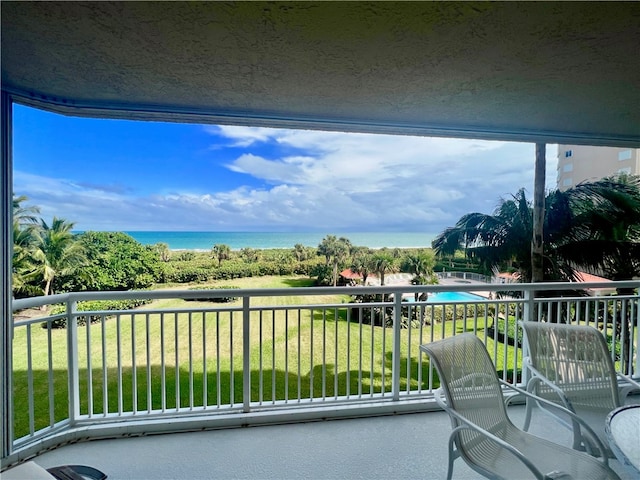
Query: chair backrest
(577, 360)
(470, 383)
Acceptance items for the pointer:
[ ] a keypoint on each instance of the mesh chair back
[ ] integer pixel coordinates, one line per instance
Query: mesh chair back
(470, 383)
(577, 360)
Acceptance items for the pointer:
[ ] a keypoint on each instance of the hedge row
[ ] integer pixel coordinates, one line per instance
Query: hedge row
(190, 272)
(96, 305)
(214, 299)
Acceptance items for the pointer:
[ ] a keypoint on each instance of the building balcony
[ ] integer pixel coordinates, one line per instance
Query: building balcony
(190, 367)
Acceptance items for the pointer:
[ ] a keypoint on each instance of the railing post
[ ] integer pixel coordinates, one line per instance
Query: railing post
(72, 359)
(6, 253)
(246, 355)
(636, 370)
(395, 356)
(527, 316)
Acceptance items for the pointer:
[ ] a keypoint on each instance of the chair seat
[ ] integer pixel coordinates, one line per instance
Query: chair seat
(551, 459)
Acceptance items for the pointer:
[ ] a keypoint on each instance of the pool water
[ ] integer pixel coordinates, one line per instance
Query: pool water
(453, 297)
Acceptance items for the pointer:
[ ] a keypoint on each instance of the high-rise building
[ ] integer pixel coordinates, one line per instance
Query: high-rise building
(580, 163)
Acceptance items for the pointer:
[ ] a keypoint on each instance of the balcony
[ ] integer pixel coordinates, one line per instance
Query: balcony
(279, 358)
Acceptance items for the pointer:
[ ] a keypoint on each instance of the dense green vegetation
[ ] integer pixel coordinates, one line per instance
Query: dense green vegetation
(592, 227)
(51, 259)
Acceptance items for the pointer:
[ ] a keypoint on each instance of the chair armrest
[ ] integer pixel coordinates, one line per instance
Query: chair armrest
(467, 424)
(594, 437)
(627, 378)
(537, 376)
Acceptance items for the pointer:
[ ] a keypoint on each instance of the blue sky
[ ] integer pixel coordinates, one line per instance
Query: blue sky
(117, 175)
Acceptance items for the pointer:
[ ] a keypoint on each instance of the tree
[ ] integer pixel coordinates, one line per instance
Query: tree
(221, 252)
(250, 255)
(24, 215)
(163, 250)
(382, 263)
(586, 227)
(502, 239)
(607, 240)
(114, 262)
(57, 251)
(23, 264)
(421, 266)
(362, 262)
(335, 250)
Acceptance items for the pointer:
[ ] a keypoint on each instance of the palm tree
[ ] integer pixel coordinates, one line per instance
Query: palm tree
(503, 238)
(583, 229)
(57, 251)
(163, 250)
(250, 255)
(361, 262)
(421, 266)
(300, 252)
(336, 251)
(23, 268)
(606, 240)
(382, 264)
(221, 252)
(24, 215)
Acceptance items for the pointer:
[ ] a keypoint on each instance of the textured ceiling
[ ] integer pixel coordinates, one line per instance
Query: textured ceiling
(561, 72)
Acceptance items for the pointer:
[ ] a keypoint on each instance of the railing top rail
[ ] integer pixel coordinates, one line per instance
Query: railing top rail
(266, 292)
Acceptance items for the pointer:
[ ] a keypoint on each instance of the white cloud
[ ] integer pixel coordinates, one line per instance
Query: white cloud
(243, 136)
(334, 181)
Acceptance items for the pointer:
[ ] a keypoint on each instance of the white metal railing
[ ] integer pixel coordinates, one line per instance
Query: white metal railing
(253, 360)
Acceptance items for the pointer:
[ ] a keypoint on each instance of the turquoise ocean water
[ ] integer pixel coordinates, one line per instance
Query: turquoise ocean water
(262, 240)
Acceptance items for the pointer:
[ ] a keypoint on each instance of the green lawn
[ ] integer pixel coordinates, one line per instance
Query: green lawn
(356, 361)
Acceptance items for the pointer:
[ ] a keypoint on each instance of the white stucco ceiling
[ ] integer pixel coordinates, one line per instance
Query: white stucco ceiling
(560, 72)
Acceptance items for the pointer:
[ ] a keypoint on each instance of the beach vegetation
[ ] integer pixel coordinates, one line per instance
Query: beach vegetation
(221, 252)
(113, 261)
(250, 254)
(163, 250)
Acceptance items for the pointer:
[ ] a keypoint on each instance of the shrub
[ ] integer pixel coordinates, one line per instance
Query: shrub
(213, 299)
(96, 305)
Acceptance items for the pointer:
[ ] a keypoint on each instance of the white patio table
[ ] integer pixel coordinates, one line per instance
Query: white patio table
(623, 432)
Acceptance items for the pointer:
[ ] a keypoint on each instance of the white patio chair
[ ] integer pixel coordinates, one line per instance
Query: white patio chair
(483, 435)
(571, 366)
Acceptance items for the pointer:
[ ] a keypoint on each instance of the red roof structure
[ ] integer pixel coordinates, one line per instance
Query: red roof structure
(350, 274)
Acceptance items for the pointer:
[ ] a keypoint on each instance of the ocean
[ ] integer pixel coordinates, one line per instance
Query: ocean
(265, 240)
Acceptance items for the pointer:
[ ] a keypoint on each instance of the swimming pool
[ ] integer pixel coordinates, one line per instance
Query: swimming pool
(453, 297)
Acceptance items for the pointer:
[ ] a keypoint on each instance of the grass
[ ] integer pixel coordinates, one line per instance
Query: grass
(287, 358)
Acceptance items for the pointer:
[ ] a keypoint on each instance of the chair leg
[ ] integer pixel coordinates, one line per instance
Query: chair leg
(527, 414)
(453, 454)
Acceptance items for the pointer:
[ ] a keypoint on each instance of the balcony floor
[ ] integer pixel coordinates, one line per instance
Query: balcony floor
(400, 446)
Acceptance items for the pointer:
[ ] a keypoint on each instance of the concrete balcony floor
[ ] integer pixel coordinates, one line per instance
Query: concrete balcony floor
(387, 447)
